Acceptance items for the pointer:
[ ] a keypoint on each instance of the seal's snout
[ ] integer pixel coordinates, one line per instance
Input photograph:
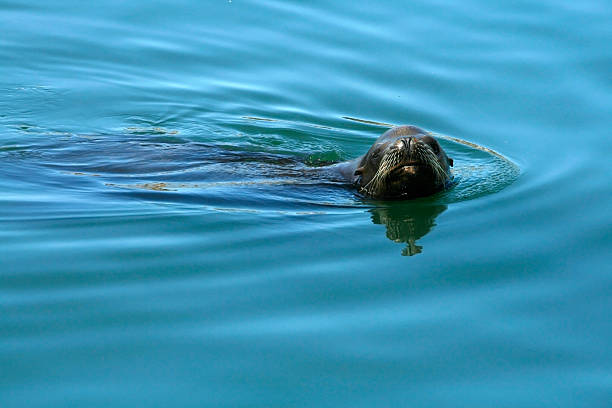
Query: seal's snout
(405, 143)
(410, 147)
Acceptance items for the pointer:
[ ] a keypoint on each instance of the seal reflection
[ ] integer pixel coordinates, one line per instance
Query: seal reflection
(407, 222)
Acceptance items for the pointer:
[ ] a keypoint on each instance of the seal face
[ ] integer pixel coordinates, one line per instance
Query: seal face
(405, 162)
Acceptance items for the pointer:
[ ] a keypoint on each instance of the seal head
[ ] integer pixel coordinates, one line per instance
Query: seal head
(405, 162)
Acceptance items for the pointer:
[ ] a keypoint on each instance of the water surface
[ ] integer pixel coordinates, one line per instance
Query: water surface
(164, 242)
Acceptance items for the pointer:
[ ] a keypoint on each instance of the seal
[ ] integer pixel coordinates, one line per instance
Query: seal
(404, 162)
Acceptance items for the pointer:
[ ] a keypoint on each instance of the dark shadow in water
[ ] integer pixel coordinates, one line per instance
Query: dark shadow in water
(408, 222)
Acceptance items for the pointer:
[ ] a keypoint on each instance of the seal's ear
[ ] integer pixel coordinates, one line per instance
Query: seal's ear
(358, 171)
(450, 161)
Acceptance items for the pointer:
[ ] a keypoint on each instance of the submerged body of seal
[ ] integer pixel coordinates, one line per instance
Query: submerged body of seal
(405, 162)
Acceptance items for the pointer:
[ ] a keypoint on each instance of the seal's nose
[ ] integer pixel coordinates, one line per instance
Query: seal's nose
(408, 143)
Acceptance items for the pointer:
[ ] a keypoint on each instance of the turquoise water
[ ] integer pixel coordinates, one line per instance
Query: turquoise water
(166, 240)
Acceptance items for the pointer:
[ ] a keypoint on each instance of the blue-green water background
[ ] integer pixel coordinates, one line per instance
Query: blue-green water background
(261, 295)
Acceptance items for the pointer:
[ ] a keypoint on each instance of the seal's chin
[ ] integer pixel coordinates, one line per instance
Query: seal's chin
(409, 180)
(409, 169)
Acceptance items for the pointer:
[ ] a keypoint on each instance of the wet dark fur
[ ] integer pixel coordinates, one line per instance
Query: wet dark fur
(405, 162)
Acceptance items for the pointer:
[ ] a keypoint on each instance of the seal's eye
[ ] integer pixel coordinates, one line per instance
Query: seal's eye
(435, 147)
(432, 143)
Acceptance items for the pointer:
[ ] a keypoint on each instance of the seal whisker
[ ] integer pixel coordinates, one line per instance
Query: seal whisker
(427, 155)
(388, 162)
